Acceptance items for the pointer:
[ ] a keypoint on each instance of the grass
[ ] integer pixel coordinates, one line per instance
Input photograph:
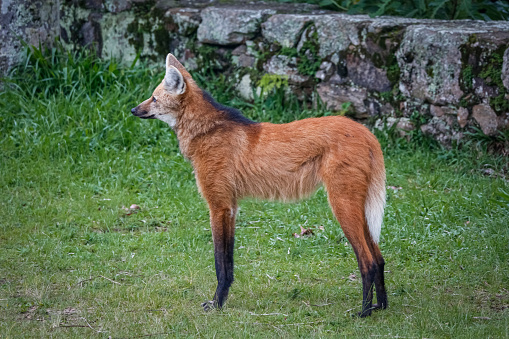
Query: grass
(75, 263)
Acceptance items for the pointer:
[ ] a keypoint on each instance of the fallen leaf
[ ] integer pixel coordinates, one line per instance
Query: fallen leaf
(305, 231)
(131, 210)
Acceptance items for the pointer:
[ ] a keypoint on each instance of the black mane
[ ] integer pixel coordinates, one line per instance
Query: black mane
(231, 114)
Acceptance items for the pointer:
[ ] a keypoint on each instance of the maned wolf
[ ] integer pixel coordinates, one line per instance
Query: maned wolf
(234, 157)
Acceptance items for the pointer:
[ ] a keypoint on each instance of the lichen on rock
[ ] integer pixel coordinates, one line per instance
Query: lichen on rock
(230, 26)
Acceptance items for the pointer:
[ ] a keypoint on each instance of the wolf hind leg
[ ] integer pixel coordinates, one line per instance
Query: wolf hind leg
(347, 194)
(381, 293)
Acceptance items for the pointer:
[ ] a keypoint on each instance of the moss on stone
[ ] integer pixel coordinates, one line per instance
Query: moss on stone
(480, 62)
(136, 38)
(162, 40)
(467, 77)
(393, 70)
(143, 7)
(149, 21)
(492, 75)
(430, 72)
(309, 60)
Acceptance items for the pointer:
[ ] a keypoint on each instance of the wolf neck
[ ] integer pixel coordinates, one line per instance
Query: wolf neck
(202, 115)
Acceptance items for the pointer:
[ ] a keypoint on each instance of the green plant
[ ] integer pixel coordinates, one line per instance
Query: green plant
(492, 75)
(308, 60)
(270, 82)
(498, 143)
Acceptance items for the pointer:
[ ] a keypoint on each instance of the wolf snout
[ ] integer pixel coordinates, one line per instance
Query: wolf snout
(141, 113)
(137, 112)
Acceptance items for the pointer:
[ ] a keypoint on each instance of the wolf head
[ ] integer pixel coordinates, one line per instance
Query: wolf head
(166, 100)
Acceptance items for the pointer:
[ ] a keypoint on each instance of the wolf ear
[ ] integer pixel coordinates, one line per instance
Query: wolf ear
(173, 80)
(172, 61)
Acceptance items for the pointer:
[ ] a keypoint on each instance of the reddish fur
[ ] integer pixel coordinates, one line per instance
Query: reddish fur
(286, 162)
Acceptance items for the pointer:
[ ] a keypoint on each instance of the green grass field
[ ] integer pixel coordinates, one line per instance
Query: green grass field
(75, 261)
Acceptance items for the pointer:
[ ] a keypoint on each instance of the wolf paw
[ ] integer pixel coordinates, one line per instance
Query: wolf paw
(365, 313)
(208, 305)
(377, 307)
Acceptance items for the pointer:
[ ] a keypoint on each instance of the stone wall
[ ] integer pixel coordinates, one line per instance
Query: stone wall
(32, 21)
(443, 77)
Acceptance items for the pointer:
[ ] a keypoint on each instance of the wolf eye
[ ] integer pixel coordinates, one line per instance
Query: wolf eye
(154, 99)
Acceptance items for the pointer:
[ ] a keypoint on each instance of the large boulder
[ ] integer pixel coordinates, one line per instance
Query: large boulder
(33, 21)
(335, 95)
(431, 57)
(486, 118)
(285, 29)
(230, 26)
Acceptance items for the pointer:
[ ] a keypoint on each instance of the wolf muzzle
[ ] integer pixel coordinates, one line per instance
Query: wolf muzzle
(141, 114)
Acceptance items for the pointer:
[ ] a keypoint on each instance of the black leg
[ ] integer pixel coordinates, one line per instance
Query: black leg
(368, 278)
(223, 226)
(223, 255)
(381, 294)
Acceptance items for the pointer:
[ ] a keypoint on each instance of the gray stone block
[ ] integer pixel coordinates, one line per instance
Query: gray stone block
(230, 26)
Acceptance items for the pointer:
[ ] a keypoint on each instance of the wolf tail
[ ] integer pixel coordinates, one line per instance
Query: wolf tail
(375, 201)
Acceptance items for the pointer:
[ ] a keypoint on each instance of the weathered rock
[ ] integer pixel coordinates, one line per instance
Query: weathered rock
(242, 49)
(245, 87)
(363, 73)
(114, 45)
(189, 60)
(373, 106)
(35, 21)
(338, 31)
(462, 117)
(450, 114)
(382, 38)
(325, 71)
(245, 60)
(482, 89)
(505, 69)
(285, 66)
(440, 131)
(430, 61)
(335, 95)
(93, 4)
(116, 6)
(91, 32)
(285, 29)
(230, 26)
(436, 111)
(387, 109)
(486, 118)
(186, 20)
(403, 125)
(503, 121)
(430, 57)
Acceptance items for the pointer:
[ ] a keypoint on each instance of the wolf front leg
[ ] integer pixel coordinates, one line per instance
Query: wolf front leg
(223, 232)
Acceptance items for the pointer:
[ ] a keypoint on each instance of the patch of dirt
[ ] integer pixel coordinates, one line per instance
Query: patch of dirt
(30, 313)
(497, 302)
